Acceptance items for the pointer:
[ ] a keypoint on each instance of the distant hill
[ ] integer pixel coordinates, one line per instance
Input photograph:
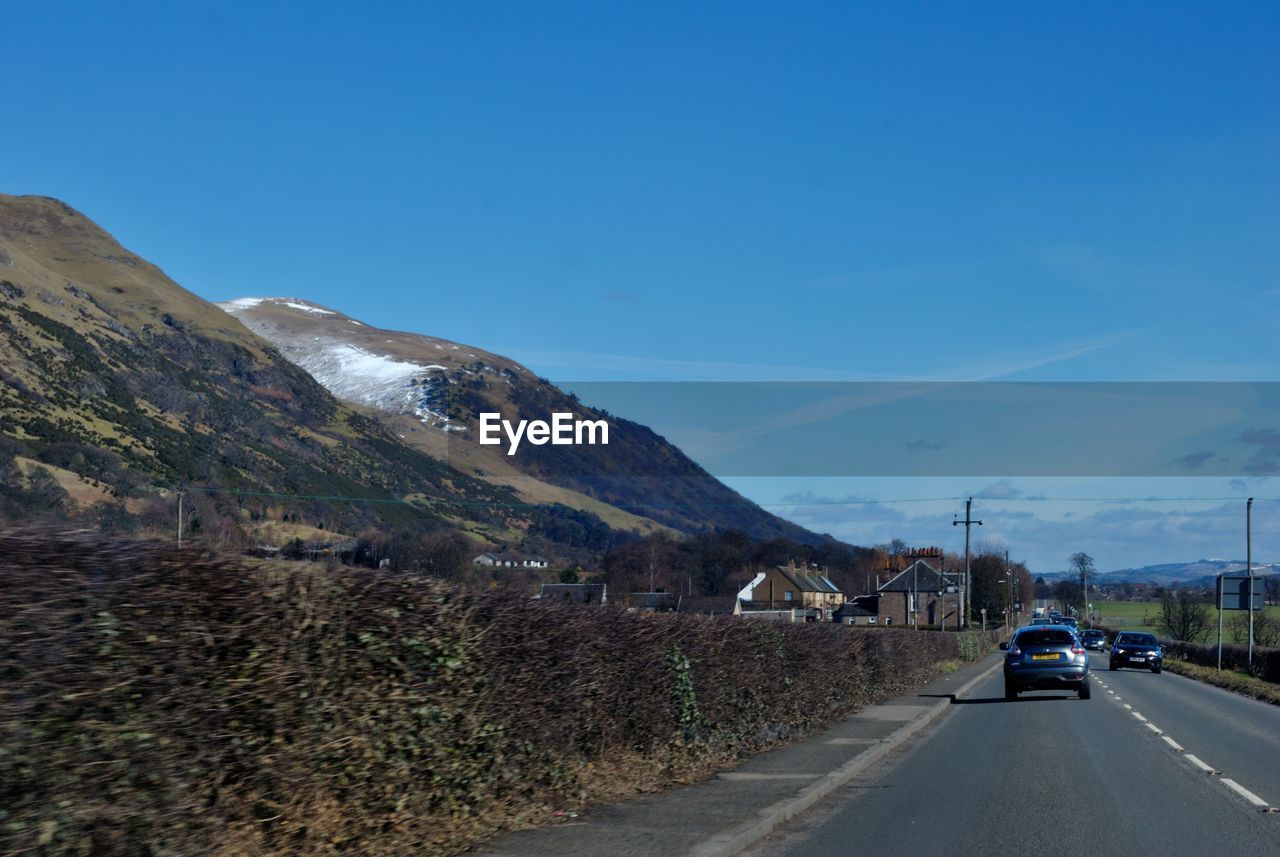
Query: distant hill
(1197, 573)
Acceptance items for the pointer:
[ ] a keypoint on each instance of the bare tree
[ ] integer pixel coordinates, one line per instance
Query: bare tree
(1183, 616)
(1082, 564)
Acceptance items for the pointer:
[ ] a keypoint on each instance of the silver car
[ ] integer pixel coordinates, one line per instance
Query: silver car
(1045, 657)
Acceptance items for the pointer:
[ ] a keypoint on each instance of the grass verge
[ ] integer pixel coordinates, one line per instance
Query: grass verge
(1228, 680)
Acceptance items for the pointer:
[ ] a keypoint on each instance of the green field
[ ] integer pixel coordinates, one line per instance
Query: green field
(1145, 616)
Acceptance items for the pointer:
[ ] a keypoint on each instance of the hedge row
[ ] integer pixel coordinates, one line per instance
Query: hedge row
(156, 702)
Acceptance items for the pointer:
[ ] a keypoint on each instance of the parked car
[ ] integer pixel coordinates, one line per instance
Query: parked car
(1045, 657)
(1093, 639)
(1135, 649)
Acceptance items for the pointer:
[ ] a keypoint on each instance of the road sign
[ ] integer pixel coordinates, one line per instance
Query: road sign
(1233, 592)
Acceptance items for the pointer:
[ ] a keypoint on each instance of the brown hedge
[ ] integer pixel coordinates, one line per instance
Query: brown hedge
(156, 702)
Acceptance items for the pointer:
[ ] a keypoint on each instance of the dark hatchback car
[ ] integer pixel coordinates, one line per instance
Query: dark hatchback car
(1134, 649)
(1093, 639)
(1045, 657)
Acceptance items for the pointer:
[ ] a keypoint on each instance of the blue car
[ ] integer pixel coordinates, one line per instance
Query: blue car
(1045, 657)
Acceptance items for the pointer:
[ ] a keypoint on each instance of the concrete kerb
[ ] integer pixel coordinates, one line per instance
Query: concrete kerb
(771, 817)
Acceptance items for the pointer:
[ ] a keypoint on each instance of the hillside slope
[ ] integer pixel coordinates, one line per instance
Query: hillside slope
(431, 391)
(114, 371)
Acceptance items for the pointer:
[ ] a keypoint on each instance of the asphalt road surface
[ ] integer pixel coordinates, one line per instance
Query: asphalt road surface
(1054, 774)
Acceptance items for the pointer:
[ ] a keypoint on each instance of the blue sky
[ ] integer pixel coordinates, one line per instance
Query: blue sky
(667, 191)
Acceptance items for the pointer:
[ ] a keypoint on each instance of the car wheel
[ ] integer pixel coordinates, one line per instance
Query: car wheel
(1010, 692)
(1156, 670)
(1112, 666)
(1085, 690)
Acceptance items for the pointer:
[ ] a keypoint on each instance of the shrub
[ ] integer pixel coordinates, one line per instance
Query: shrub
(153, 701)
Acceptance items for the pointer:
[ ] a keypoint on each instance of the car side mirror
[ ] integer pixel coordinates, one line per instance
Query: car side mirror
(1004, 647)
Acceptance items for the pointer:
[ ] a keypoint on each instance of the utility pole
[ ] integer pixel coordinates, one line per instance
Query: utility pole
(1248, 565)
(1008, 579)
(915, 595)
(964, 587)
(181, 494)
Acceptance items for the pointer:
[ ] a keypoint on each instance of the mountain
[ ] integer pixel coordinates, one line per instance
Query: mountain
(113, 374)
(1201, 572)
(119, 386)
(430, 391)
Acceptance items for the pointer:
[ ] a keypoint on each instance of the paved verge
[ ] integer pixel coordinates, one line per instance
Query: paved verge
(734, 809)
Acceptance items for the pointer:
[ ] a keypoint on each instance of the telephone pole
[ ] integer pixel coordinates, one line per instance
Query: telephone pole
(1248, 565)
(181, 494)
(964, 588)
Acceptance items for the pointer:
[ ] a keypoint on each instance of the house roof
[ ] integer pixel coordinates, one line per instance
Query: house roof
(651, 600)
(707, 604)
(850, 609)
(807, 581)
(577, 593)
(919, 577)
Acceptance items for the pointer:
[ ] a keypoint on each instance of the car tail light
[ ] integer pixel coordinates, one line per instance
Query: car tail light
(1014, 650)
(1076, 650)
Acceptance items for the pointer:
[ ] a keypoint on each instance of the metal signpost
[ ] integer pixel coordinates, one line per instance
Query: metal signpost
(1233, 594)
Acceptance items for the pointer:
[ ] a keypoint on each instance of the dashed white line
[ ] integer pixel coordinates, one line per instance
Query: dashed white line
(1246, 794)
(1195, 760)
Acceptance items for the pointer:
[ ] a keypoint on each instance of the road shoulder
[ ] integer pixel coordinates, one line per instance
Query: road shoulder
(732, 810)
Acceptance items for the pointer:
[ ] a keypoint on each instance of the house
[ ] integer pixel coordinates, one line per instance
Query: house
(509, 560)
(922, 589)
(594, 594)
(852, 613)
(790, 587)
(709, 605)
(651, 602)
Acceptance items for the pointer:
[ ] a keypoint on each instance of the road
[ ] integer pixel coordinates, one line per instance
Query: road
(1076, 777)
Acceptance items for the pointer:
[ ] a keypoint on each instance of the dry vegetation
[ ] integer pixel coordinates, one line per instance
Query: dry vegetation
(162, 702)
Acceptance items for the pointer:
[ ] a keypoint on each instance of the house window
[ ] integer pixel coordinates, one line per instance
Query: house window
(786, 596)
(871, 620)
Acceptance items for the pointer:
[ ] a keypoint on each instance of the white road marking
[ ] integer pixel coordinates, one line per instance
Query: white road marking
(1126, 705)
(1139, 716)
(1172, 743)
(1246, 794)
(1154, 728)
(1195, 760)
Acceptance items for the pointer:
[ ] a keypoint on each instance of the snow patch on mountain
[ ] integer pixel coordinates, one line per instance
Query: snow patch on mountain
(306, 308)
(355, 366)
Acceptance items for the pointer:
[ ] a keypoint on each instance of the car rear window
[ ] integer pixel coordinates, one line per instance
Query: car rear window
(1137, 639)
(1093, 634)
(1045, 637)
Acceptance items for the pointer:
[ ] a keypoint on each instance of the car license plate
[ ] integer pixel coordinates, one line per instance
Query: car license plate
(1139, 660)
(1049, 657)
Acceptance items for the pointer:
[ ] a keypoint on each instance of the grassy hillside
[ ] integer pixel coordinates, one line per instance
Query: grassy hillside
(119, 378)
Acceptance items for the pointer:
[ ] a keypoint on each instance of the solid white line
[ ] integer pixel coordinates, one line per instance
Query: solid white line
(1195, 760)
(1139, 716)
(1172, 743)
(1245, 793)
(1154, 728)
